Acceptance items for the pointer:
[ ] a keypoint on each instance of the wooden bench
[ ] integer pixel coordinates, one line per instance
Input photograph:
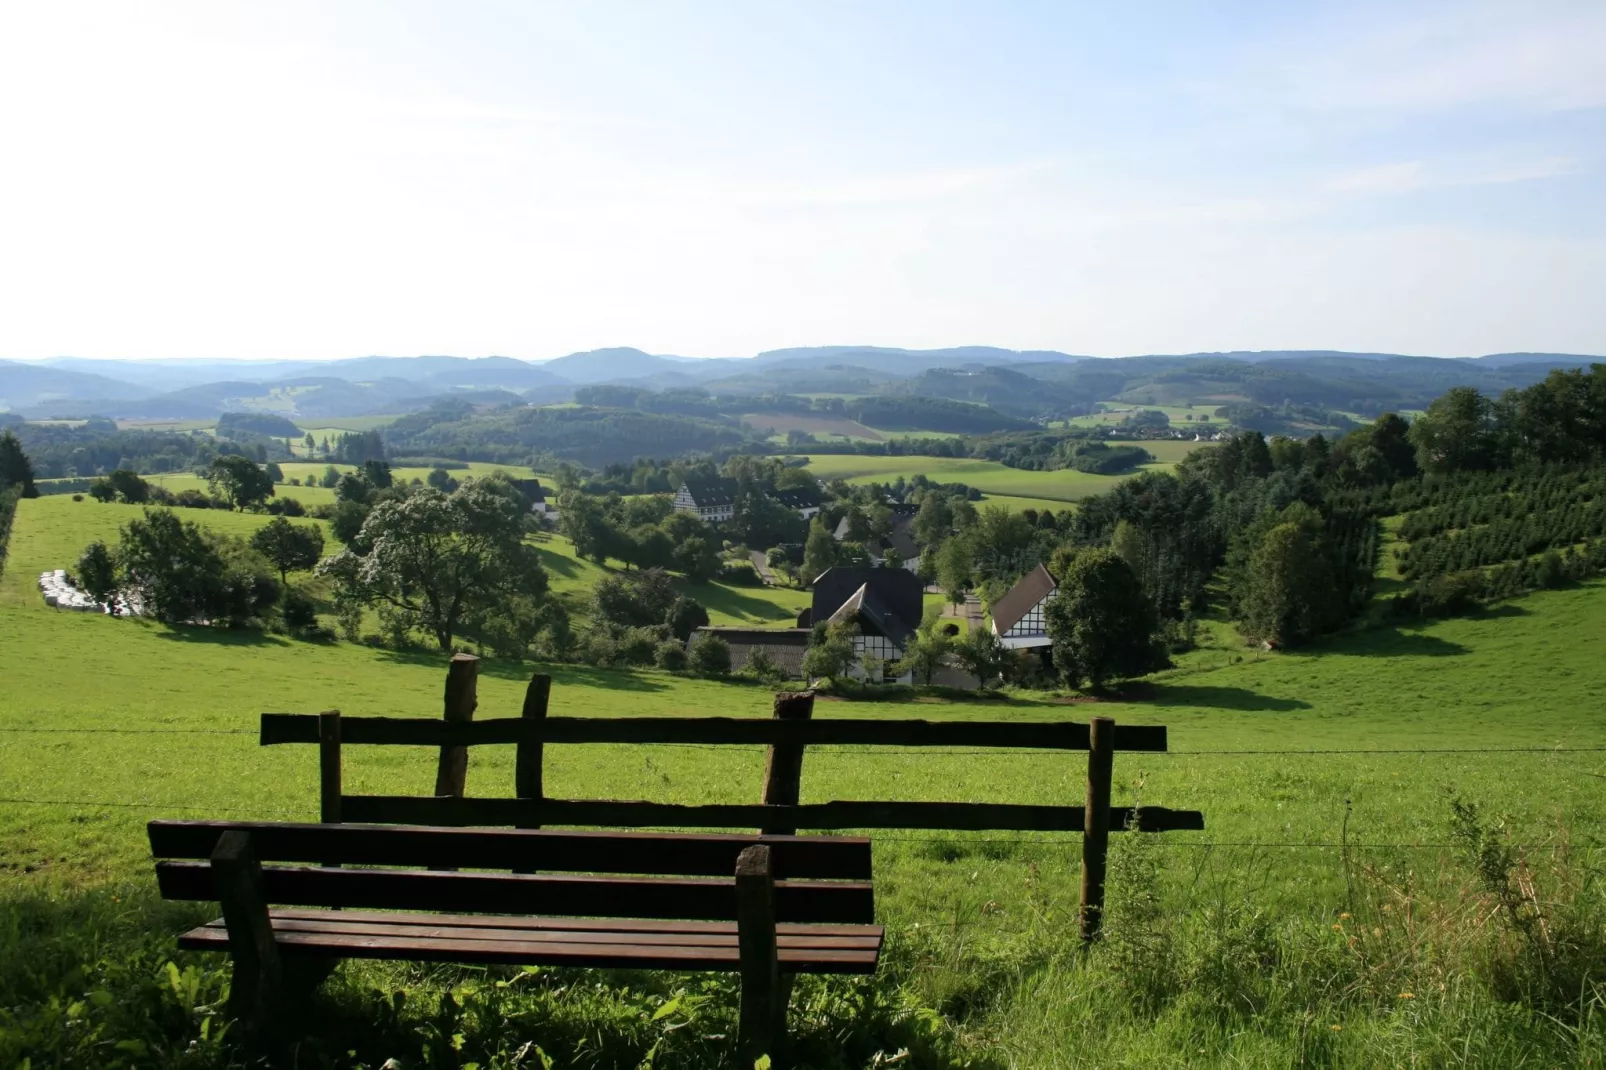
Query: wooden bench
(766, 907)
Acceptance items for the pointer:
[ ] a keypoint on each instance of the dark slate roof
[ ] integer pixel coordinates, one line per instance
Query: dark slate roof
(875, 617)
(530, 488)
(798, 498)
(898, 592)
(1031, 589)
(786, 647)
(711, 492)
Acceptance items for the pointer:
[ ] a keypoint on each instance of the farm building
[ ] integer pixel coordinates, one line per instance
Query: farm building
(899, 542)
(884, 602)
(710, 499)
(784, 646)
(1018, 618)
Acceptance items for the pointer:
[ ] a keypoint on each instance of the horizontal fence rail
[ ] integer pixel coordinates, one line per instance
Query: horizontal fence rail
(412, 731)
(967, 817)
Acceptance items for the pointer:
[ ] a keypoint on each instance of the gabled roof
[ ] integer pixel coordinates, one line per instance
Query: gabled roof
(785, 646)
(711, 492)
(897, 596)
(1031, 589)
(798, 498)
(868, 607)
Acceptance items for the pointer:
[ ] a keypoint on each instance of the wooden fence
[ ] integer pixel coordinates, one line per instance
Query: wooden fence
(787, 734)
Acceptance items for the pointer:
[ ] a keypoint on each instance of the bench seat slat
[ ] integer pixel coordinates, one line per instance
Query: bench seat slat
(698, 898)
(649, 853)
(516, 922)
(867, 937)
(540, 949)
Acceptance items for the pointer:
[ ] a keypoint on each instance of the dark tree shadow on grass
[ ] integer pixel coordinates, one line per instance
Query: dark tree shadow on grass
(190, 633)
(1386, 643)
(503, 669)
(559, 564)
(1222, 698)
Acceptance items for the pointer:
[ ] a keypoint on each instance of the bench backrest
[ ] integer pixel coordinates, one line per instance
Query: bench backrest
(586, 874)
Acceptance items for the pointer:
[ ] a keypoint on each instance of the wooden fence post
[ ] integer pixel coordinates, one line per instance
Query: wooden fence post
(527, 779)
(461, 677)
(329, 767)
(1096, 831)
(783, 762)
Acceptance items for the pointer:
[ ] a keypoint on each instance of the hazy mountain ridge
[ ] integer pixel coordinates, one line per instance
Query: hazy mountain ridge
(1021, 382)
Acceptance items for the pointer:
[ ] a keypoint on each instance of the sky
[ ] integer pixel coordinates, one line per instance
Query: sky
(323, 180)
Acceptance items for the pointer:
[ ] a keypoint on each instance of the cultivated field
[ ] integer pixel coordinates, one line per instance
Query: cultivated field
(779, 423)
(1252, 943)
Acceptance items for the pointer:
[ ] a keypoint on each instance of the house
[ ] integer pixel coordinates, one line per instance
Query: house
(886, 604)
(714, 499)
(710, 499)
(784, 646)
(1018, 617)
(806, 502)
(900, 541)
(535, 496)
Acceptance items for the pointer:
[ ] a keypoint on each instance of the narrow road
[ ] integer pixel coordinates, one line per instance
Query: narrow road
(762, 567)
(971, 611)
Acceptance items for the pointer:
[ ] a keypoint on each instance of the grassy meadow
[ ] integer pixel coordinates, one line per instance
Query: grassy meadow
(1011, 485)
(1259, 942)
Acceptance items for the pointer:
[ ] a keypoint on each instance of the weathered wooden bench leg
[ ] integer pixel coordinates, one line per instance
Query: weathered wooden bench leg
(257, 992)
(763, 1023)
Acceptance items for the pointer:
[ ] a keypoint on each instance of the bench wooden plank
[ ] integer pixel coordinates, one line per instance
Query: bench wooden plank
(625, 955)
(519, 922)
(504, 893)
(279, 728)
(681, 854)
(413, 810)
(862, 938)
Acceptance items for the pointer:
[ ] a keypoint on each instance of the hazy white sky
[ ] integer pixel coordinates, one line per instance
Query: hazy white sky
(342, 178)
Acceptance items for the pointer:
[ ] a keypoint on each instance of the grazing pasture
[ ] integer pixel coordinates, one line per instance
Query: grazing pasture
(1324, 917)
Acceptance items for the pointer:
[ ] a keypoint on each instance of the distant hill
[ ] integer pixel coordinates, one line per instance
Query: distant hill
(1022, 384)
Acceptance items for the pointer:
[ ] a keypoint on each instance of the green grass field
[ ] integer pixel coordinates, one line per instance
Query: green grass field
(989, 477)
(105, 724)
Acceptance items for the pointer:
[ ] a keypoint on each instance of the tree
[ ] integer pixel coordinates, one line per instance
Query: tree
(97, 574)
(635, 599)
(102, 491)
(819, 550)
(934, 522)
(1102, 625)
(831, 651)
(347, 520)
(289, 547)
(182, 573)
(696, 559)
(376, 473)
(437, 560)
(1289, 586)
(980, 653)
(685, 617)
(441, 480)
(1456, 433)
(129, 486)
(925, 653)
(710, 656)
(954, 563)
(15, 467)
(241, 480)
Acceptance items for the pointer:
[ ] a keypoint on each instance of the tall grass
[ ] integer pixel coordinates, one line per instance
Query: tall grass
(1487, 955)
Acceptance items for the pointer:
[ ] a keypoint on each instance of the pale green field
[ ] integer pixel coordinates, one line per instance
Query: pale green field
(987, 476)
(1202, 415)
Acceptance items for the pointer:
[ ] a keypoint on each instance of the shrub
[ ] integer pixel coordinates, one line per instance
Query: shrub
(670, 655)
(710, 656)
(638, 646)
(299, 611)
(740, 574)
(763, 668)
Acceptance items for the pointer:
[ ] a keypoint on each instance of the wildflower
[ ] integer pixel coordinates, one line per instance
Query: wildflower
(1344, 916)
(1337, 927)
(1407, 995)
(1336, 1028)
